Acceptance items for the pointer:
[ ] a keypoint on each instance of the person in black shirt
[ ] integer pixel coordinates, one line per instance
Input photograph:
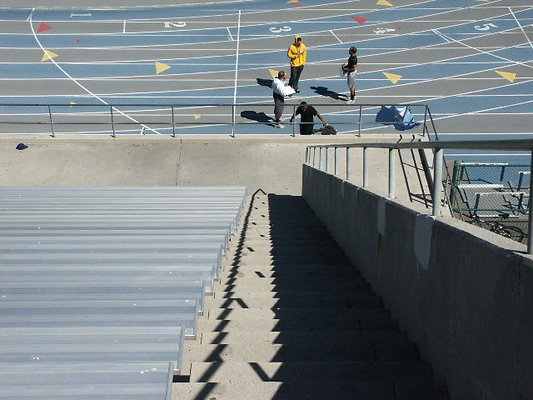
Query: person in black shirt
(351, 72)
(307, 114)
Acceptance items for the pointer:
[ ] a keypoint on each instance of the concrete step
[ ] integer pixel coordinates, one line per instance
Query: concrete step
(240, 288)
(320, 300)
(305, 390)
(302, 250)
(291, 271)
(301, 351)
(338, 337)
(371, 320)
(237, 262)
(296, 243)
(256, 352)
(296, 371)
(311, 281)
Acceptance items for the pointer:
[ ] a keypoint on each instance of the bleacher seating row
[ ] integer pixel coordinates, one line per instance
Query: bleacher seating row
(100, 286)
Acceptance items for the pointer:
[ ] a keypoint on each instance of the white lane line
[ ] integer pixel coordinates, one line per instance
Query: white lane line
(236, 72)
(336, 37)
(436, 32)
(521, 28)
(31, 15)
(443, 36)
(80, 15)
(254, 37)
(124, 27)
(80, 85)
(230, 35)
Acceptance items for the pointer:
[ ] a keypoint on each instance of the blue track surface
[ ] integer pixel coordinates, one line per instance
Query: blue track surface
(447, 56)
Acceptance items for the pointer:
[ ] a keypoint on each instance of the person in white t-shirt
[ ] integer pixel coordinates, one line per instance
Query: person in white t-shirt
(279, 92)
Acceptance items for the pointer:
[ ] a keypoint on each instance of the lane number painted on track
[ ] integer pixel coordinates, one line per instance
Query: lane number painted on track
(485, 27)
(381, 31)
(179, 24)
(285, 28)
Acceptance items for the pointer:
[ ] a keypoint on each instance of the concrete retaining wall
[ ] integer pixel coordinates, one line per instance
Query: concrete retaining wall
(272, 163)
(464, 295)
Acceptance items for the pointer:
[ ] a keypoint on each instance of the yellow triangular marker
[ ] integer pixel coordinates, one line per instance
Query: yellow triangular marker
(160, 67)
(48, 55)
(392, 77)
(383, 3)
(273, 72)
(510, 76)
(197, 116)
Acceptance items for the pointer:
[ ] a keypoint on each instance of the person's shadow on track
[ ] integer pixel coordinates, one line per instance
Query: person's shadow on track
(324, 91)
(264, 82)
(261, 117)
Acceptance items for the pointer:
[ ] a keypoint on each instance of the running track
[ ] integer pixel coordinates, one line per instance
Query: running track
(470, 61)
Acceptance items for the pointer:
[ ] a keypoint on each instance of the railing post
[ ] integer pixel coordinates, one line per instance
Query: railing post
(233, 120)
(112, 121)
(530, 219)
(360, 117)
(392, 172)
(314, 156)
(347, 163)
(424, 129)
(335, 160)
(293, 122)
(51, 121)
(307, 155)
(326, 159)
(437, 181)
(365, 167)
(320, 158)
(173, 124)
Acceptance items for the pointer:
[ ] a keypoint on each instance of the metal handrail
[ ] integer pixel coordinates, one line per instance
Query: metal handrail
(127, 110)
(509, 145)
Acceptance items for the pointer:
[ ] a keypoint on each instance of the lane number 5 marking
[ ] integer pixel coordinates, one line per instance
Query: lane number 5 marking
(485, 27)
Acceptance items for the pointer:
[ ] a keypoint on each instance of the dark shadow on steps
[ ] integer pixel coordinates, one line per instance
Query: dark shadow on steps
(331, 338)
(337, 339)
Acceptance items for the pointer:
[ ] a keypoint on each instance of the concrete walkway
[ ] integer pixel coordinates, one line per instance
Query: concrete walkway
(292, 319)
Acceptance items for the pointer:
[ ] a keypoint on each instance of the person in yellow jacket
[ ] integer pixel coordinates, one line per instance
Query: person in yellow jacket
(298, 54)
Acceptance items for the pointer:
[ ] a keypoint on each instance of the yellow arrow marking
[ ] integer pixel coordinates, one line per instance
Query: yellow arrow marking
(510, 76)
(48, 55)
(160, 67)
(273, 72)
(392, 77)
(197, 116)
(384, 3)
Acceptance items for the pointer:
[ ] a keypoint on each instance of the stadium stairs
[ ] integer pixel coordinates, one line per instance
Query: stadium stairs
(292, 319)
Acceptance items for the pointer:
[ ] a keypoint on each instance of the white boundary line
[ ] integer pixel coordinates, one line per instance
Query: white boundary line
(80, 85)
(336, 37)
(321, 32)
(521, 28)
(443, 36)
(31, 14)
(236, 72)
(230, 35)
